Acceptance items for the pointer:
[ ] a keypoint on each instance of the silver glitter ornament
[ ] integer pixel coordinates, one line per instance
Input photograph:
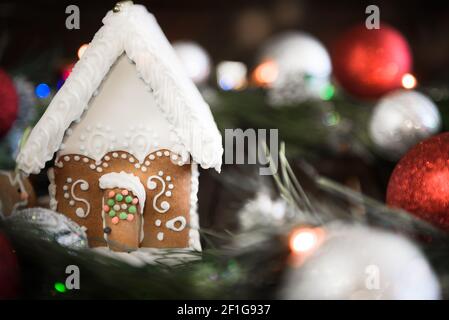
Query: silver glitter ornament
(400, 120)
(55, 226)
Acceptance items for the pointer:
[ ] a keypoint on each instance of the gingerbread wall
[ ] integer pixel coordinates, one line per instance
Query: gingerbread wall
(167, 205)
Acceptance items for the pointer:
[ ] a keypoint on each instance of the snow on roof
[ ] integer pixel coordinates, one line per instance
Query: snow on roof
(133, 31)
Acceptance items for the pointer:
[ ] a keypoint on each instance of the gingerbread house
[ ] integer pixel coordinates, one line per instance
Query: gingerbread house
(127, 132)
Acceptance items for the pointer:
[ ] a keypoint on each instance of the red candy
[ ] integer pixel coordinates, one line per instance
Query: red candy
(106, 208)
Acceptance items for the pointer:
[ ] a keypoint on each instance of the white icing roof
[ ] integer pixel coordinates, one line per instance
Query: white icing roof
(134, 31)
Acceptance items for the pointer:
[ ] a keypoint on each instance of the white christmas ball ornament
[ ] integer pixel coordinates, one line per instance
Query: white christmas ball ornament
(298, 51)
(357, 262)
(401, 119)
(195, 60)
(304, 67)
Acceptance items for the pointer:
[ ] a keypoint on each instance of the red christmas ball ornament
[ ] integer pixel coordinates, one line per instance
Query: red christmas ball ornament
(420, 181)
(369, 63)
(9, 270)
(8, 103)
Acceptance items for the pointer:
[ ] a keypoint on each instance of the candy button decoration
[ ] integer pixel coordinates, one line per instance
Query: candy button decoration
(112, 213)
(111, 202)
(115, 220)
(119, 197)
(128, 199)
(132, 209)
(123, 215)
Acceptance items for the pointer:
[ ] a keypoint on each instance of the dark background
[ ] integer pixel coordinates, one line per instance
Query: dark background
(229, 30)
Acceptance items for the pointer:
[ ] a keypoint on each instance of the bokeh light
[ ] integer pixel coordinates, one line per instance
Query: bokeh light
(409, 81)
(81, 50)
(67, 70)
(231, 75)
(266, 73)
(42, 90)
(305, 240)
(60, 287)
(328, 92)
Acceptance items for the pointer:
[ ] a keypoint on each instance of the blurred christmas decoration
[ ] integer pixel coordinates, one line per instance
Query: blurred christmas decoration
(303, 63)
(66, 70)
(81, 50)
(8, 103)
(358, 262)
(231, 75)
(401, 119)
(370, 63)
(17, 192)
(251, 27)
(42, 90)
(263, 211)
(56, 227)
(303, 241)
(293, 89)
(266, 73)
(419, 183)
(9, 270)
(409, 81)
(195, 59)
(27, 113)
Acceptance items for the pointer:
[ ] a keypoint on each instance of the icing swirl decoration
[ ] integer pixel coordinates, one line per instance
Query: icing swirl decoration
(171, 224)
(98, 145)
(84, 186)
(152, 185)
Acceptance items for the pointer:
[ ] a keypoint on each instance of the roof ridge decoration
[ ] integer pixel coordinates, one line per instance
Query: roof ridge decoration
(135, 32)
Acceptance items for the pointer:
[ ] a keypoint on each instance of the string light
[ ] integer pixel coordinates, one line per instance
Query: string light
(42, 90)
(409, 81)
(60, 287)
(305, 240)
(266, 73)
(67, 70)
(328, 92)
(231, 75)
(81, 50)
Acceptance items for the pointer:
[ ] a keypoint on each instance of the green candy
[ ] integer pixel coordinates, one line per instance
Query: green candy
(128, 199)
(123, 215)
(112, 213)
(132, 209)
(111, 202)
(119, 197)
